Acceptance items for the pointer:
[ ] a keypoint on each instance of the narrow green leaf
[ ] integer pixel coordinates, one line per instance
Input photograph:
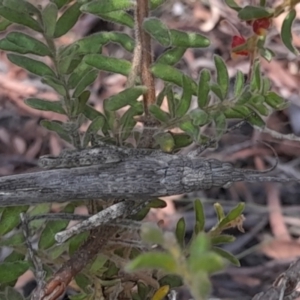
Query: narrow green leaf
(153, 260)
(160, 97)
(220, 123)
(286, 31)
(16, 269)
(67, 20)
(80, 105)
(156, 3)
(31, 65)
(245, 96)
(109, 64)
(186, 97)
(254, 12)
(159, 114)
(93, 128)
(41, 104)
(171, 56)
(49, 16)
(181, 140)
(239, 83)
(119, 17)
(171, 74)
(255, 119)
(225, 254)
(4, 24)
(189, 128)
(126, 97)
(23, 43)
(158, 30)
(222, 76)
(47, 236)
(237, 112)
(96, 7)
(19, 18)
(86, 80)
(232, 4)
(173, 101)
(200, 245)
(43, 208)
(203, 88)
(275, 101)
(171, 280)
(219, 211)
(81, 70)
(157, 203)
(180, 232)
(82, 281)
(208, 262)
(56, 84)
(222, 239)
(199, 117)
(14, 256)
(232, 215)
(188, 39)
(76, 241)
(259, 105)
(10, 218)
(199, 215)
(267, 54)
(256, 79)
(56, 127)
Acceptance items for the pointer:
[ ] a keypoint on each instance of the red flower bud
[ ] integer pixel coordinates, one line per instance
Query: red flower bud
(238, 41)
(260, 26)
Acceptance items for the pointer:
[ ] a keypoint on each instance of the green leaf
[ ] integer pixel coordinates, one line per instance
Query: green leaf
(180, 232)
(203, 88)
(80, 106)
(158, 31)
(171, 280)
(237, 112)
(186, 97)
(14, 256)
(171, 74)
(96, 7)
(239, 83)
(153, 260)
(20, 18)
(259, 105)
(22, 6)
(172, 101)
(199, 117)
(156, 3)
(157, 203)
(255, 119)
(86, 80)
(225, 254)
(267, 54)
(219, 211)
(41, 104)
(275, 101)
(152, 234)
(76, 241)
(31, 65)
(119, 17)
(222, 76)
(159, 114)
(14, 240)
(49, 16)
(10, 218)
(160, 97)
(286, 31)
(220, 123)
(143, 290)
(67, 20)
(126, 97)
(199, 216)
(56, 84)
(56, 127)
(93, 43)
(4, 24)
(208, 262)
(232, 4)
(189, 128)
(23, 44)
(222, 239)
(171, 56)
(37, 210)
(93, 128)
(188, 39)
(98, 263)
(82, 281)
(165, 141)
(232, 215)
(16, 269)
(256, 80)
(47, 236)
(81, 70)
(254, 12)
(60, 3)
(109, 64)
(215, 88)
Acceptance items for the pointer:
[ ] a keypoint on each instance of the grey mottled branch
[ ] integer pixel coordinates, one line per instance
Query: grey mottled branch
(110, 172)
